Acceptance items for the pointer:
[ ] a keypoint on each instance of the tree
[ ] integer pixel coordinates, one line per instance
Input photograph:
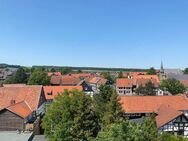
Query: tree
(120, 75)
(148, 90)
(151, 71)
(79, 71)
(113, 112)
(173, 86)
(66, 70)
(107, 105)
(107, 76)
(186, 71)
(39, 77)
(53, 70)
(149, 129)
(20, 77)
(129, 131)
(101, 99)
(71, 117)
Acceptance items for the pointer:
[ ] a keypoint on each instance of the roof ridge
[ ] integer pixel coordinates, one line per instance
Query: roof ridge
(27, 104)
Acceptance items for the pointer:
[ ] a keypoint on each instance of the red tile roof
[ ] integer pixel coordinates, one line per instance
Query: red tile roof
(69, 80)
(102, 81)
(143, 82)
(54, 73)
(55, 80)
(151, 77)
(165, 115)
(29, 94)
(14, 85)
(137, 73)
(22, 109)
(82, 75)
(124, 82)
(52, 91)
(145, 104)
(98, 80)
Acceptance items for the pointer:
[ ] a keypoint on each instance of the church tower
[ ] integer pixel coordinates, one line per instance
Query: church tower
(162, 75)
(162, 68)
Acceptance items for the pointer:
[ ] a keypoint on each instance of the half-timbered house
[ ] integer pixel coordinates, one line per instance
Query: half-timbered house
(171, 111)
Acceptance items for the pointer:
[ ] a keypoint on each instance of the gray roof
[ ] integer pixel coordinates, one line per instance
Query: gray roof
(178, 77)
(14, 136)
(173, 71)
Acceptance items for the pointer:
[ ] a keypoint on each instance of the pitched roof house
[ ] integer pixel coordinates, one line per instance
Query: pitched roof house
(64, 80)
(20, 105)
(54, 73)
(171, 111)
(124, 86)
(69, 80)
(127, 86)
(96, 82)
(52, 91)
(82, 75)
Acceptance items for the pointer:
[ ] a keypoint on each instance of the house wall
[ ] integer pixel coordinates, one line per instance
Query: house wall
(10, 121)
(124, 91)
(178, 126)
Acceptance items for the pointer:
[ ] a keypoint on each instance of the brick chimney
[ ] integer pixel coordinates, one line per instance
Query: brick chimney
(12, 102)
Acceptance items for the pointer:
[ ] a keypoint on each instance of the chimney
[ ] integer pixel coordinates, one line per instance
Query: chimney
(12, 102)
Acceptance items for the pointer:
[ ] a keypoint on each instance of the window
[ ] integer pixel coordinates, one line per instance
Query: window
(49, 93)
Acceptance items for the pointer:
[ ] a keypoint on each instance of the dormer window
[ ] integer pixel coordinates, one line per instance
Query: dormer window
(12, 102)
(49, 93)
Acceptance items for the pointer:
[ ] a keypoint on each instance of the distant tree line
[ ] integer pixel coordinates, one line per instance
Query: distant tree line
(58, 68)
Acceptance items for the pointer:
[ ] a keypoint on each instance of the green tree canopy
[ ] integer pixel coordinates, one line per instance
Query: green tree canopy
(79, 71)
(53, 70)
(107, 105)
(107, 76)
(151, 71)
(120, 75)
(186, 71)
(147, 90)
(71, 117)
(66, 70)
(39, 77)
(170, 137)
(20, 77)
(173, 86)
(129, 131)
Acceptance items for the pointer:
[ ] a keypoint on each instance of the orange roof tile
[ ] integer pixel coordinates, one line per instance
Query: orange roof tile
(143, 82)
(98, 80)
(144, 104)
(69, 80)
(29, 94)
(55, 90)
(54, 73)
(14, 85)
(137, 73)
(151, 77)
(22, 109)
(165, 115)
(124, 82)
(102, 81)
(55, 80)
(82, 75)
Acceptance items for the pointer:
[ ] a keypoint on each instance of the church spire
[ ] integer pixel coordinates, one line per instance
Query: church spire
(162, 68)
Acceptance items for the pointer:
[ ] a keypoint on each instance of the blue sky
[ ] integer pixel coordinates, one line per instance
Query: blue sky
(98, 33)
